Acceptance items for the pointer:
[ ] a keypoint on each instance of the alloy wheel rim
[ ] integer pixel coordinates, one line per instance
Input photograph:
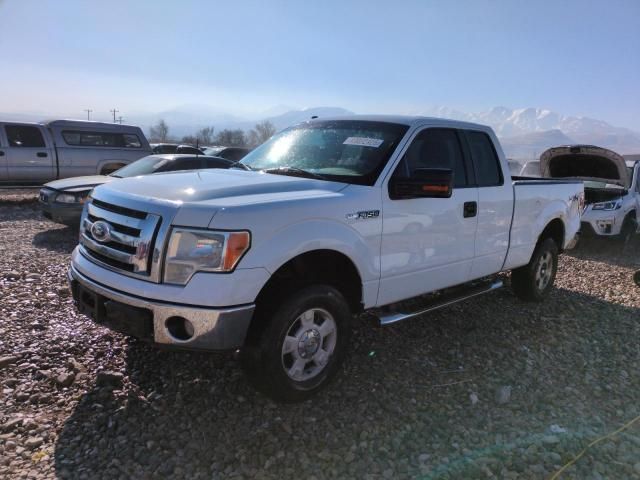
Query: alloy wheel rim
(308, 344)
(544, 271)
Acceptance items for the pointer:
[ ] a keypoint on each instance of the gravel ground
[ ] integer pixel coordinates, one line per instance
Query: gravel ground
(491, 388)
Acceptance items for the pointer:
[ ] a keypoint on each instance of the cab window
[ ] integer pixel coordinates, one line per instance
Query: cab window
(24, 136)
(485, 159)
(435, 148)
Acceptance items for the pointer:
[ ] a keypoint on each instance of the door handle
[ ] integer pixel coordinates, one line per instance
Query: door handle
(42, 154)
(470, 209)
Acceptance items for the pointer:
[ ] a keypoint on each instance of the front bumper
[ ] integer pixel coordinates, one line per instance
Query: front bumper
(213, 329)
(604, 223)
(66, 213)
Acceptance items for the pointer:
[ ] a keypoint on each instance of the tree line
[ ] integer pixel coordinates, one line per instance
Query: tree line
(260, 133)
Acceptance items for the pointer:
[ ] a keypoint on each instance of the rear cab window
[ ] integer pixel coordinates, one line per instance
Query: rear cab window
(485, 159)
(24, 136)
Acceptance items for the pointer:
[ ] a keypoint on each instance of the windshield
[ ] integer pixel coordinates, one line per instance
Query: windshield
(340, 150)
(144, 166)
(212, 150)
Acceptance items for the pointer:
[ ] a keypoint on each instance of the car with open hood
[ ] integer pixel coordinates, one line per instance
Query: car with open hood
(62, 200)
(611, 186)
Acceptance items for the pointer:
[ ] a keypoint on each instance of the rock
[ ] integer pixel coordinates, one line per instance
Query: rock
(109, 378)
(8, 360)
(12, 424)
(33, 442)
(349, 457)
(636, 468)
(503, 394)
(63, 291)
(65, 379)
(75, 365)
(34, 276)
(474, 398)
(557, 429)
(550, 439)
(423, 458)
(12, 275)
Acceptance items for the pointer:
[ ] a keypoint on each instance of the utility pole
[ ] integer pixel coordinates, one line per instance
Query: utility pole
(114, 111)
(120, 119)
(88, 110)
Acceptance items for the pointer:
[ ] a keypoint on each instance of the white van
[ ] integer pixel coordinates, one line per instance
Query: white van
(35, 153)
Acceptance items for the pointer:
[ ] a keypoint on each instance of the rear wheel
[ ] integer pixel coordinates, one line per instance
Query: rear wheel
(534, 281)
(297, 349)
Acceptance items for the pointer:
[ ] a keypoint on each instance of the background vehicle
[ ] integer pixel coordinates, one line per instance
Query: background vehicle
(338, 216)
(176, 148)
(34, 153)
(232, 153)
(531, 169)
(612, 187)
(62, 200)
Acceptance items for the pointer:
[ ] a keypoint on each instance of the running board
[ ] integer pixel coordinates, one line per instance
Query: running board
(443, 301)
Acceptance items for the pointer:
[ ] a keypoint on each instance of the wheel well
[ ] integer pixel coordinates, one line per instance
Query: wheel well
(555, 231)
(318, 266)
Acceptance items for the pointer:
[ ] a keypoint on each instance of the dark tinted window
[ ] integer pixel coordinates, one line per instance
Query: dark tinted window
(189, 150)
(101, 139)
(435, 148)
(233, 153)
(165, 149)
(23, 136)
(485, 159)
(217, 163)
(191, 163)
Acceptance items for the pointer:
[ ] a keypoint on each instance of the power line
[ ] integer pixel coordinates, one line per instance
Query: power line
(114, 111)
(88, 110)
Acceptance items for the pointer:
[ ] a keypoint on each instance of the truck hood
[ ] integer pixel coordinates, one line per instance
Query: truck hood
(585, 162)
(79, 183)
(222, 187)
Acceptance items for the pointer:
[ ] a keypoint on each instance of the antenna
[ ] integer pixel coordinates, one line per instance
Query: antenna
(88, 110)
(114, 111)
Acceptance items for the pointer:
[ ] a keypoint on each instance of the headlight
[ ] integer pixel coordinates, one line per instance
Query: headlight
(79, 197)
(613, 205)
(192, 251)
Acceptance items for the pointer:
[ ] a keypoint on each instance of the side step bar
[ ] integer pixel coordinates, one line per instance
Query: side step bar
(442, 301)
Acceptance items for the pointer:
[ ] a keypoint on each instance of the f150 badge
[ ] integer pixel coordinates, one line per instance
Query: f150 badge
(364, 215)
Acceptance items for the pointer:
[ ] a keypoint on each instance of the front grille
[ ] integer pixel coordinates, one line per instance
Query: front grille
(127, 245)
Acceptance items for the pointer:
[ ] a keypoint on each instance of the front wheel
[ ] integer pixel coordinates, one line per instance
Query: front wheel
(296, 350)
(534, 281)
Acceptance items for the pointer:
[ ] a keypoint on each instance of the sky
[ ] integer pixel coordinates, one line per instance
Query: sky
(245, 57)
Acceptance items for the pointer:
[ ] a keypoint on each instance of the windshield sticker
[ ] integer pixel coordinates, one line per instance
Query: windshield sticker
(363, 142)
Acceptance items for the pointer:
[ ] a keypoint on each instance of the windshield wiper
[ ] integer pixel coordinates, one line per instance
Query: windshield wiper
(295, 172)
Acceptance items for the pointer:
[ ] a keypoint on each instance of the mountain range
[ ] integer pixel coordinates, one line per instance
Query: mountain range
(524, 132)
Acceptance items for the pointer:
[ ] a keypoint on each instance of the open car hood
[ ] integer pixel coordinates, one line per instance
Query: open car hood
(585, 162)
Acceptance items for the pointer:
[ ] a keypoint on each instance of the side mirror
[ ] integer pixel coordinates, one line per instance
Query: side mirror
(424, 183)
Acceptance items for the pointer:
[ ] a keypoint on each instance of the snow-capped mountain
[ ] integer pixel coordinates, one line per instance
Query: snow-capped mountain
(535, 129)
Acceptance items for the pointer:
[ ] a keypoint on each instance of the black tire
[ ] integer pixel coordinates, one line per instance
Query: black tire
(534, 281)
(629, 227)
(263, 358)
(636, 277)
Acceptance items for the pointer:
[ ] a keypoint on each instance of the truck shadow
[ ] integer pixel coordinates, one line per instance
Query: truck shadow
(609, 251)
(58, 239)
(404, 390)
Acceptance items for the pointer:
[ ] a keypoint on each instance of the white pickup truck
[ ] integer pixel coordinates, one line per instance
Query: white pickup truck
(325, 220)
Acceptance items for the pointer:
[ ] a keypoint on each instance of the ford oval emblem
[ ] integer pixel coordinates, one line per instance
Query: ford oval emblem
(101, 231)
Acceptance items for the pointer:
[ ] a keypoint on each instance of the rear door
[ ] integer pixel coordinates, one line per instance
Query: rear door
(495, 205)
(428, 243)
(29, 158)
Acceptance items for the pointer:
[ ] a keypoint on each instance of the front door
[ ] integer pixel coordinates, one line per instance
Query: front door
(429, 243)
(28, 158)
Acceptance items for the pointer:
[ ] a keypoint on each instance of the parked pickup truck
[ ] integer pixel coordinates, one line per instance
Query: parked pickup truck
(35, 153)
(612, 187)
(336, 217)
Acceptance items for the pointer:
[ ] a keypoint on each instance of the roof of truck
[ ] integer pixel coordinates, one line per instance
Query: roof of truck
(87, 123)
(410, 120)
